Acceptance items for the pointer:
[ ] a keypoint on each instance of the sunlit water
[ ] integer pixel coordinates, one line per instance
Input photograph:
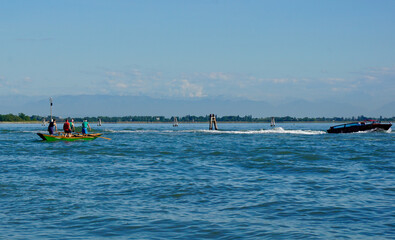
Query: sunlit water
(155, 181)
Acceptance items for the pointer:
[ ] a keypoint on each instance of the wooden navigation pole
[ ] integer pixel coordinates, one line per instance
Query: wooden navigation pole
(272, 123)
(212, 121)
(175, 122)
(50, 101)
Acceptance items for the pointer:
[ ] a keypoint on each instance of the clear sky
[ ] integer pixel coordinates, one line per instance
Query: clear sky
(259, 50)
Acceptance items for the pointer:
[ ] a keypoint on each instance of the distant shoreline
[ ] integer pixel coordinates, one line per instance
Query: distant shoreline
(23, 118)
(170, 123)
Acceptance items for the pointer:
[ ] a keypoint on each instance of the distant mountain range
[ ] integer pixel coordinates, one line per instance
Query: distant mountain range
(106, 105)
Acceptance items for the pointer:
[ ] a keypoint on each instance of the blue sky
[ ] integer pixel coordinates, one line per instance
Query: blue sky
(274, 51)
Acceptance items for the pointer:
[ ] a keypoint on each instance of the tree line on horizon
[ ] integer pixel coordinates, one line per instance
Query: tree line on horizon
(21, 117)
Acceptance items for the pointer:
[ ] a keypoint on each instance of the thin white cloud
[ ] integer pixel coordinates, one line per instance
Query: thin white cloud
(16, 86)
(378, 73)
(333, 80)
(136, 72)
(137, 81)
(185, 88)
(279, 80)
(376, 76)
(220, 76)
(121, 85)
(369, 78)
(382, 70)
(115, 74)
(191, 90)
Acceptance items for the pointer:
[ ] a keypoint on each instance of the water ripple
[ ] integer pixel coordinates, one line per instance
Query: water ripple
(152, 181)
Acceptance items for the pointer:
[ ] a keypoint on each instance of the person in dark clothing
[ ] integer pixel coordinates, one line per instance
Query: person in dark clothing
(52, 125)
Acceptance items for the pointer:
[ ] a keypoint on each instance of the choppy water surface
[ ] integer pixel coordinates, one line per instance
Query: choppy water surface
(154, 181)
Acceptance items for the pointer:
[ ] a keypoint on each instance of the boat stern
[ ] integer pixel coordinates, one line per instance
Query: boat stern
(41, 136)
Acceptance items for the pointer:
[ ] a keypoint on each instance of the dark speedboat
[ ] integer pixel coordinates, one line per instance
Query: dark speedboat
(369, 125)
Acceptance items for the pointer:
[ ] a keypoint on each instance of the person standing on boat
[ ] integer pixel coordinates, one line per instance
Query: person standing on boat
(85, 126)
(51, 127)
(67, 128)
(72, 127)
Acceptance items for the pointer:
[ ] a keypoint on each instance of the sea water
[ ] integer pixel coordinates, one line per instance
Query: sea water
(156, 181)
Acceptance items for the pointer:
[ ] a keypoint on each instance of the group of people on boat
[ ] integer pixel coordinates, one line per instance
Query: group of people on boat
(68, 127)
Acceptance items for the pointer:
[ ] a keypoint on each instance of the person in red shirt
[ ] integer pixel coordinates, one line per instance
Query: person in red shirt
(67, 128)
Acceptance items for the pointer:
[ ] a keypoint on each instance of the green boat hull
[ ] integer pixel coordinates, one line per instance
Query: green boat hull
(76, 137)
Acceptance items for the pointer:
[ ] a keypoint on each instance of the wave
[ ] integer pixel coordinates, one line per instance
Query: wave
(278, 130)
(20, 131)
(374, 131)
(131, 131)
